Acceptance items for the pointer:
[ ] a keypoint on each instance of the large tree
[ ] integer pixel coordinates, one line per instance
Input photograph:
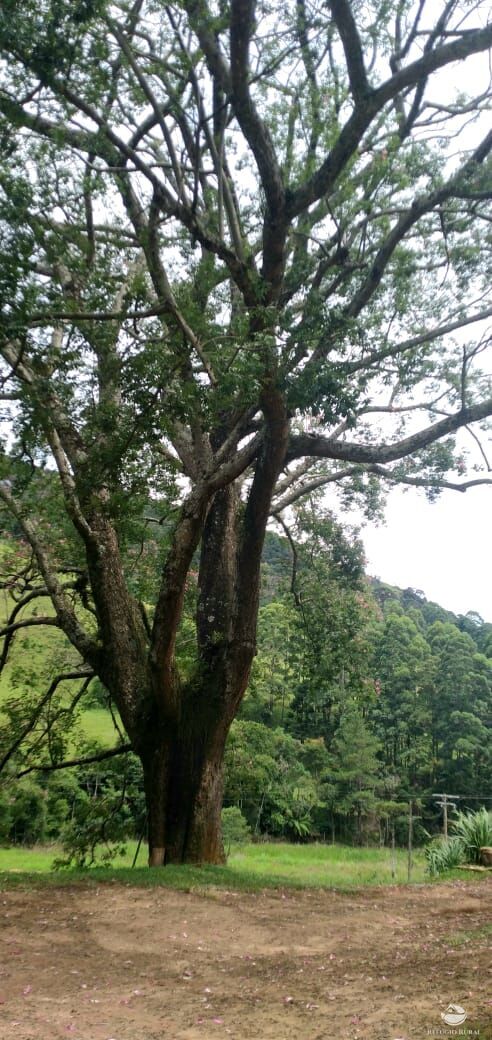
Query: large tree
(239, 243)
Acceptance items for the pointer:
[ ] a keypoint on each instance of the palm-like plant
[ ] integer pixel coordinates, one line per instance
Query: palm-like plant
(474, 830)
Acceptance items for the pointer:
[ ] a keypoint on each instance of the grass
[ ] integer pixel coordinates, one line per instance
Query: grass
(249, 868)
(473, 935)
(336, 866)
(97, 724)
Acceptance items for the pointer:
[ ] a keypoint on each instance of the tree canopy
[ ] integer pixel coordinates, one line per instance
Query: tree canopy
(246, 255)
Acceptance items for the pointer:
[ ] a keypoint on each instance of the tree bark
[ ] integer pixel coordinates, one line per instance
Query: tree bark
(183, 776)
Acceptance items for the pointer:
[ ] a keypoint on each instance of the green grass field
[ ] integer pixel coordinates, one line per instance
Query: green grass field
(250, 867)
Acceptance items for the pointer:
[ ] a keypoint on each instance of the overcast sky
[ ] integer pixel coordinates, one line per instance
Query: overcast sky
(442, 548)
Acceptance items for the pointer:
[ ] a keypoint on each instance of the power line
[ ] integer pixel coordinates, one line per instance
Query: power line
(475, 797)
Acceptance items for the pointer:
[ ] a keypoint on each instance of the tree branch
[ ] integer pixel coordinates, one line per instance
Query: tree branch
(101, 756)
(349, 36)
(416, 341)
(427, 482)
(323, 180)
(326, 447)
(76, 674)
(66, 617)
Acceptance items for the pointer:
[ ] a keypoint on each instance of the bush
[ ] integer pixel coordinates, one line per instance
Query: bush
(474, 829)
(23, 813)
(63, 796)
(235, 829)
(444, 854)
(109, 808)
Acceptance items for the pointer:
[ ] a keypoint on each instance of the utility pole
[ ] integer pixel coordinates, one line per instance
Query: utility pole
(410, 837)
(411, 821)
(447, 802)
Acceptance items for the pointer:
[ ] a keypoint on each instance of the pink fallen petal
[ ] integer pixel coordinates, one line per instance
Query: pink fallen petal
(27, 990)
(218, 1021)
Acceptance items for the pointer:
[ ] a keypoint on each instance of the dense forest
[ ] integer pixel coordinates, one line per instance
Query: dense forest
(363, 698)
(374, 695)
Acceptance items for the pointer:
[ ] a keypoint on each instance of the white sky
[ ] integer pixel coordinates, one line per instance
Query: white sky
(443, 548)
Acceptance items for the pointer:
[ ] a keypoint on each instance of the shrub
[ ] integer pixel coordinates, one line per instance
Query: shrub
(27, 813)
(444, 854)
(235, 829)
(474, 830)
(109, 808)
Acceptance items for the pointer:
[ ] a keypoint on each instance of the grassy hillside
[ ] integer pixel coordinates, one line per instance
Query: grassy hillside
(39, 654)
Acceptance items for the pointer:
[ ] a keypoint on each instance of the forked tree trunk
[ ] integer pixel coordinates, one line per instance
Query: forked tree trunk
(183, 760)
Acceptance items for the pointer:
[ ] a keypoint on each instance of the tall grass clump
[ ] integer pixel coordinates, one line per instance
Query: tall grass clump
(471, 832)
(474, 830)
(444, 854)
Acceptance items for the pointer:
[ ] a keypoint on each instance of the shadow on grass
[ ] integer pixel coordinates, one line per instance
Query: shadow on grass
(182, 878)
(185, 879)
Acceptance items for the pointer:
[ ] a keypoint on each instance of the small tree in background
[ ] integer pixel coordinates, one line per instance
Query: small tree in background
(355, 769)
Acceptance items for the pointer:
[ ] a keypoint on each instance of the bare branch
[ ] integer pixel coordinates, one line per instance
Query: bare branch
(326, 447)
(349, 36)
(323, 180)
(427, 482)
(395, 350)
(308, 486)
(101, 756)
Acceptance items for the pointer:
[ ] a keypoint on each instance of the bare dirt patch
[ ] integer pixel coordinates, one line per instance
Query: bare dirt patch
(134, 964)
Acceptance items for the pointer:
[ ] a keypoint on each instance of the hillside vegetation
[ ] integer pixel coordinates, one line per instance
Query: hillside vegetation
(363, 698)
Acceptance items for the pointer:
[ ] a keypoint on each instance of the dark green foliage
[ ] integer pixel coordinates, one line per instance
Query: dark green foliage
(471, 832)
(110, 809)
(235, 830)
(353, 774)
(22, 813)
(266, 779)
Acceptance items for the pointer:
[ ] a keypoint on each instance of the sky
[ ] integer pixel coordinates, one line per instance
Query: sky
(443, 548)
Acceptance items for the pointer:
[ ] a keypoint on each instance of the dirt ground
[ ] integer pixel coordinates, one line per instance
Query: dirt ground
(117, 963)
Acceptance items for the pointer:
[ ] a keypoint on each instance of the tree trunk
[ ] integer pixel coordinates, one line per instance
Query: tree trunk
(183, 779)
